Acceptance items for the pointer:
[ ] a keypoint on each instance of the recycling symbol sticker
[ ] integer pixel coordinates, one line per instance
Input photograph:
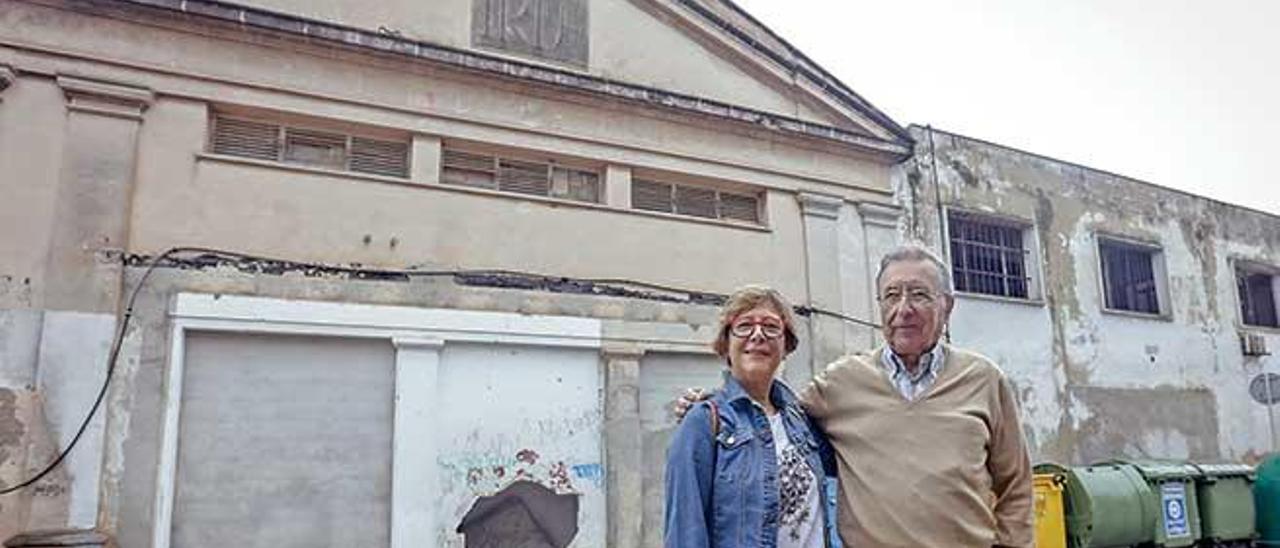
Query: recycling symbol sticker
(1174, 497)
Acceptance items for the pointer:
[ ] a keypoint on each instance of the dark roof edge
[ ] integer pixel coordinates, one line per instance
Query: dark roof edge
(809, 69)
(1045, 157)
(387, 43)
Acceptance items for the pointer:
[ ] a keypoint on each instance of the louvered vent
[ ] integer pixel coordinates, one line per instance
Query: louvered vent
(519, 176)
(575, 184)
(651, 196)
(236, 137)
(467, 169)
(694, 201)
(698, 202)
(250, 139)
(523, 177)
(389, 158)
(739, 207)
(315, 148)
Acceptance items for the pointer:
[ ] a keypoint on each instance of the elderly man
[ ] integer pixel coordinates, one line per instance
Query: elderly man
(927, 438)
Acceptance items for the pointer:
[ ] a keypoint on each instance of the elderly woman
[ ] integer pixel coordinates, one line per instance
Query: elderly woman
(746, 467)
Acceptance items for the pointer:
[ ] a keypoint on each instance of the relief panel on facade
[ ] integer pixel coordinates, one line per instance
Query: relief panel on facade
(553, 30)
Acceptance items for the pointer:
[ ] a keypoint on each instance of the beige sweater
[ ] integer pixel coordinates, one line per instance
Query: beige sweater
(947, 470)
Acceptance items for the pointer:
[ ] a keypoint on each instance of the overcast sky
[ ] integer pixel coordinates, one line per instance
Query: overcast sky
(1180, 93)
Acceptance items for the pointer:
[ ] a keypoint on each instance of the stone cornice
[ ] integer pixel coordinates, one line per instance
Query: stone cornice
(106, 98)
(878, 214)
(819, 205)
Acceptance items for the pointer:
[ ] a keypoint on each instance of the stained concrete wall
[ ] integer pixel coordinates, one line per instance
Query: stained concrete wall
(1096, 384)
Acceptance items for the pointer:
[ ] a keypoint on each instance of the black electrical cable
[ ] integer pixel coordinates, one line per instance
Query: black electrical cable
(156, 261)
(106, 382)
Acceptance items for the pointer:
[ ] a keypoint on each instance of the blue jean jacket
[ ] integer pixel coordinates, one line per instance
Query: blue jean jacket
(724, 493)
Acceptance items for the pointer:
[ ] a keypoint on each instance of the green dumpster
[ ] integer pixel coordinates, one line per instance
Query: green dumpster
(1225, 495)
(1106, 505)
(1266, 494)
(1173, 492)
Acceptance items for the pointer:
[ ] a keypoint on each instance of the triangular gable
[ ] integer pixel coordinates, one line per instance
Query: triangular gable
(714, 49)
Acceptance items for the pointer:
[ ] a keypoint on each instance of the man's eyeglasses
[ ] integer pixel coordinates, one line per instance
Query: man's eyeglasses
(745, 330)
(915, 296)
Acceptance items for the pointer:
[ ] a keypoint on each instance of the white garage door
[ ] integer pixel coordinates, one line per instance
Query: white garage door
(284, 442)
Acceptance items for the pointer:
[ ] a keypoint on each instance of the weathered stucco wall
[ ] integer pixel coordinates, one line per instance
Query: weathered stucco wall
(1097, 384)
(104, 132)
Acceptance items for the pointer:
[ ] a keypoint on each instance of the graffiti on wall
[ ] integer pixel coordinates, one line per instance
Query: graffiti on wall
(488, 474)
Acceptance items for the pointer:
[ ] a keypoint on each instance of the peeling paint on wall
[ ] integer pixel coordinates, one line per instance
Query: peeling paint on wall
(1105, 384)
(1160, 422)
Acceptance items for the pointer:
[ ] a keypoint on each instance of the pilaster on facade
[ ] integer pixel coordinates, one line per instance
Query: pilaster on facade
(878, 228)
(821, 216)
(90, 220)
(413, 486)
(426, 154)
(623, 445)
(105, 98)
(617, 186)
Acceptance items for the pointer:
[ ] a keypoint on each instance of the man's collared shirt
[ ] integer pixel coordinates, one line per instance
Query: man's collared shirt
(912, 386)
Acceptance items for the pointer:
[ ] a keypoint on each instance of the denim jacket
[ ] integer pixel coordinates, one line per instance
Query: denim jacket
(724, 494)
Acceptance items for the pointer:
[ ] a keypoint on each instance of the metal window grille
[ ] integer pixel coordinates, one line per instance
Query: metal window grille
(273, 142)
(694, 201)
(1257, 299)
(519, 176)
(987, 257)
(1128, 274)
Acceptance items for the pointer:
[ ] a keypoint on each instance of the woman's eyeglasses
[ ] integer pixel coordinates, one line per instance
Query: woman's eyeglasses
(745, 330)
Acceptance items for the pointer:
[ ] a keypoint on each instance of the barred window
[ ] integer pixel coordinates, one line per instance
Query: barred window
(988, 255)
(324, 149)
(519, 176)
(1129, 276)
(1257, 292)
(695, 201)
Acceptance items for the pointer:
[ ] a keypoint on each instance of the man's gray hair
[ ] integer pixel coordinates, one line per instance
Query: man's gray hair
(912, 252)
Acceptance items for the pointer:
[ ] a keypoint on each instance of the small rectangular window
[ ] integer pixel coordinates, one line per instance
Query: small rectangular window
(694, 201)
(329, 150)
(1257, 292)
(1129, 277)
(315, 148)
(519, 176)
(988, 255)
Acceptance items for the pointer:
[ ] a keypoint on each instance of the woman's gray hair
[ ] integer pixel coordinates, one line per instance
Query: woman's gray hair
(913, 252)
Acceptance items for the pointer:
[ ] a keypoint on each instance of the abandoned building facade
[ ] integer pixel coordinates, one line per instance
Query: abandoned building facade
(415, 273)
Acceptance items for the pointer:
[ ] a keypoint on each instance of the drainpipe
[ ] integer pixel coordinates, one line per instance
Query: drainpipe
(937, 199)
(937, 205)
